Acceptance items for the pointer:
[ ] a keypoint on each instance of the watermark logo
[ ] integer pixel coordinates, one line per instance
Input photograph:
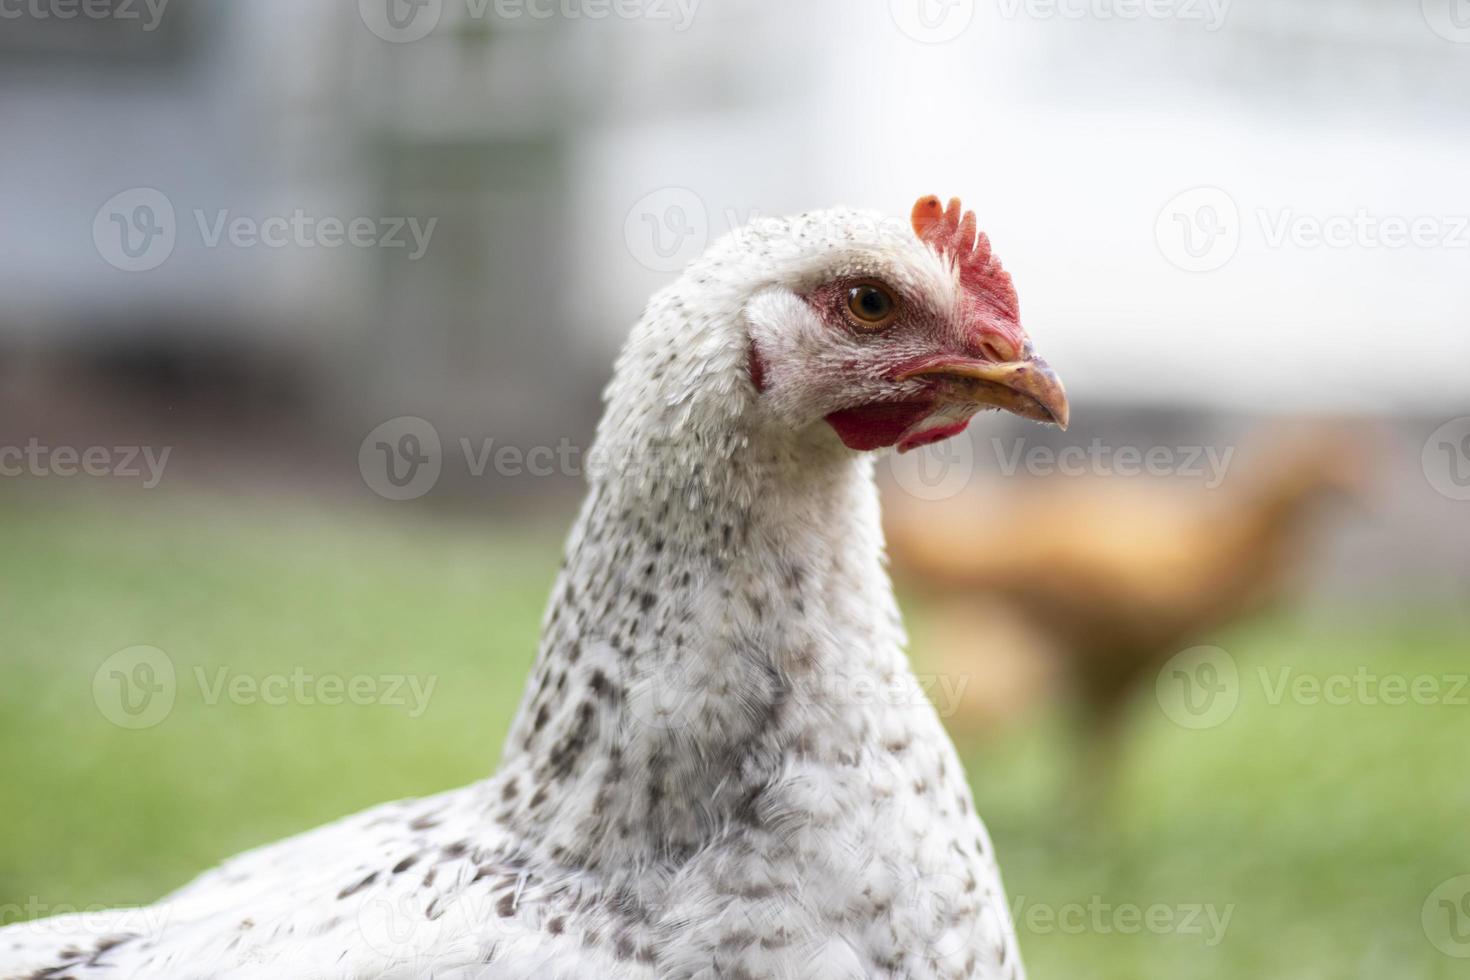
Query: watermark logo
(301, 230)
(1199, 229)
(667, 228)
(402, 458)
(64, 921)
(400, 21)
(1210, 13)
(135, 230)
(663, 697)
(1446, 917)
(408, 691)
(935, 472)
(1363, 687)
(1209, 464)
(672, 696)
(409, 934)
(932, 21)
(138, 688)
(1100, 917)
(943, 470)
(1362, 229)
(1446, 459)
(135, 688)
(120, 462)
(1450, 19)
(1199, 688)
(121, 10)
(946, 913)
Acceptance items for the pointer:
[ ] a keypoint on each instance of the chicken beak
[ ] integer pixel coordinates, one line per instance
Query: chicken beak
(1028, 388)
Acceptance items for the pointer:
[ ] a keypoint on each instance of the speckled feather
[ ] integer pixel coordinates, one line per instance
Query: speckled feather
(722, 766)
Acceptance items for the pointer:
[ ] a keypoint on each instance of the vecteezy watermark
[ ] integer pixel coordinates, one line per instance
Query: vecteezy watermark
(401, 459)
(946, 911)
(1445, 917)
(944, 469)
(148, 12)
(1100, 917)
(119, 462)
(1200, 230)
(1209, 463)
(404, 457)
(408, 691)
(135, 687)
(932, 21)
(938, 471)
(63, 919)
(1450, 19)
(303, 230)
(1201, 687)
(137, 230)
(408, 935)
(1362, 229)
(668, 227)
(673, 696)
(1363, 686)
(1446, 459)
(402, 21)
(138, 688)
(1209, 13)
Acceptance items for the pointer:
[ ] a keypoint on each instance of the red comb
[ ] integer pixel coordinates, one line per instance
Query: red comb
(954, 236)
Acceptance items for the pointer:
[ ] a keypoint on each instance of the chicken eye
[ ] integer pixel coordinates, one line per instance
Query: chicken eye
(872, 307)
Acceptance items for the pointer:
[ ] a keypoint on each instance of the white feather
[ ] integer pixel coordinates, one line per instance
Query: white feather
(722, 767)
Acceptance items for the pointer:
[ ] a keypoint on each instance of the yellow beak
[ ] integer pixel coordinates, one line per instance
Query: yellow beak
(1028, 388)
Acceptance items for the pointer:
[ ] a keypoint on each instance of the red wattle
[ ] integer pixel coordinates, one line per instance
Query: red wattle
(880, 424)
(929, 436)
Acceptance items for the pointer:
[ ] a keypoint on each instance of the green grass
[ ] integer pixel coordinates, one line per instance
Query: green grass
(117, 816)
(1320, 829)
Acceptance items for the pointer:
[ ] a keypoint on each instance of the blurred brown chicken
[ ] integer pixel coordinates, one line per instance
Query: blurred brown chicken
(1116, 575)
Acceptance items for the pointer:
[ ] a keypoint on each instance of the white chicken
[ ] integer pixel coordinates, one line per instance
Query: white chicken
(723, 766)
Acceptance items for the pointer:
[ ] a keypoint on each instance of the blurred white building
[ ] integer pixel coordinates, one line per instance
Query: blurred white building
(550, 149)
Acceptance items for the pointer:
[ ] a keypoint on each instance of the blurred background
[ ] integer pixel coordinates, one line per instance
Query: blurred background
(307, 308)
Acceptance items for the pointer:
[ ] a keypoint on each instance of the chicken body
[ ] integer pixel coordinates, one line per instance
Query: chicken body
(1115, 576)
(723, 766)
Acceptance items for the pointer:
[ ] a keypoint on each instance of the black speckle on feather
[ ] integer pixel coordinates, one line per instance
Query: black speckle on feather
(351, 890)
